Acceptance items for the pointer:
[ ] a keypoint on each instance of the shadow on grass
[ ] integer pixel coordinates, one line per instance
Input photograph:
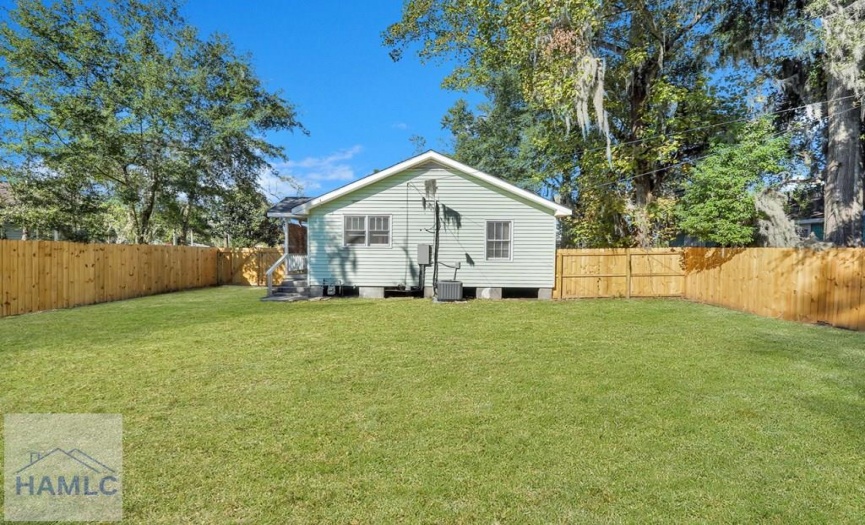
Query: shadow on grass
(131, 320)
(841, 365)
(846, 414)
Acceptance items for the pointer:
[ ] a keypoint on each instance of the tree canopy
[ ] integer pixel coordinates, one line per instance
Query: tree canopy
(128, 99)
(718, 199)
(650, 87)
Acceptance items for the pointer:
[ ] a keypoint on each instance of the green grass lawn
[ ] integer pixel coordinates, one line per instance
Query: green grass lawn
(353, 411)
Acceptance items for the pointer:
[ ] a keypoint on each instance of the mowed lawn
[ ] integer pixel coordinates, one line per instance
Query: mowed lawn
(354, 411)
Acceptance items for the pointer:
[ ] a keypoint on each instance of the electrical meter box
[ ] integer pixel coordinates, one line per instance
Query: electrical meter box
(424, 254)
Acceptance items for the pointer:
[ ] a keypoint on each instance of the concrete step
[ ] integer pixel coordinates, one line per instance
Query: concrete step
(295, 287)
(293, 281)
(285, 298)
(291, 288)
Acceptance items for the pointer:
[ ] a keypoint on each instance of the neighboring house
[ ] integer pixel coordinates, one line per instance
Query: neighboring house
(806, 227)
(814, 226)
(809, 217)
(807, 214)
(7, 230)
(683, 240)
(375, 233)
(15, 232)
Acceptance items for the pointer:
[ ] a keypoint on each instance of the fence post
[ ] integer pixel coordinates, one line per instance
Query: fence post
(627, 273)
(259, 274)
(557, 287)
(683, 258)
(224, 256)
(221, 256)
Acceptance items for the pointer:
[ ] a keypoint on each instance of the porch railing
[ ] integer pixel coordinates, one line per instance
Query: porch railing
(295, 263)
(270, 273)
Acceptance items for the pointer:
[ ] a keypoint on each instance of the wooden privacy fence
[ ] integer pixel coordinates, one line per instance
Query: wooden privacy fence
(814, 286)
(619, 273)
(248, 266)
(44, 275)
(245, 266)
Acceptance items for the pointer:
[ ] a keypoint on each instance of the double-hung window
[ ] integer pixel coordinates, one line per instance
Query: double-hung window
(366, 230)
(378, 230)
(498, 240)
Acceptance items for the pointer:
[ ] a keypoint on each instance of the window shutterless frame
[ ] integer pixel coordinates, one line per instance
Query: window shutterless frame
(372, 231)
(498, 240)
(378, 230)
(354, 230)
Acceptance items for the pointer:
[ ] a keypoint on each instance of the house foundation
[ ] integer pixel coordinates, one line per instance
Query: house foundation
(489, 293)
(545, 294)
(371, 292)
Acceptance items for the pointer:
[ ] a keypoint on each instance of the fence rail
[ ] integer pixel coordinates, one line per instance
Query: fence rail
(619, 273)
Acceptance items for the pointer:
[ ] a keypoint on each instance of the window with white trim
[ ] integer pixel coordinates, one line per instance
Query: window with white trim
(366, 230)
(354, 230)
(498, 240)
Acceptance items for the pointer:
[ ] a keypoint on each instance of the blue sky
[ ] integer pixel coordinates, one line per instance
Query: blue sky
(326, 57)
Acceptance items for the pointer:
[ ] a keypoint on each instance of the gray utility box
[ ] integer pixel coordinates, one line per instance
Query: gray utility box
(424, 254)
(450, 291)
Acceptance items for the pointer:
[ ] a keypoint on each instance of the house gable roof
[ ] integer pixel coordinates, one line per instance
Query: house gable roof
(414, 162)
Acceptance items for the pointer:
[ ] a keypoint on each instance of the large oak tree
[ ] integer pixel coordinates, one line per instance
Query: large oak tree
(619, 83)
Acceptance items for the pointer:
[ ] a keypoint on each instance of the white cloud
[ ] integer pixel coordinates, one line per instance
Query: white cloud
(311, 173)
(400, 125)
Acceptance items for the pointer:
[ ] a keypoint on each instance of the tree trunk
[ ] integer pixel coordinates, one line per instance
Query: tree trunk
(842, 193)
(185, 218)
(143, 233)
(644, 185)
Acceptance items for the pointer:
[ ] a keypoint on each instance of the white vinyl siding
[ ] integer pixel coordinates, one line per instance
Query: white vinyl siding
(498, 241)
(466, 204)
